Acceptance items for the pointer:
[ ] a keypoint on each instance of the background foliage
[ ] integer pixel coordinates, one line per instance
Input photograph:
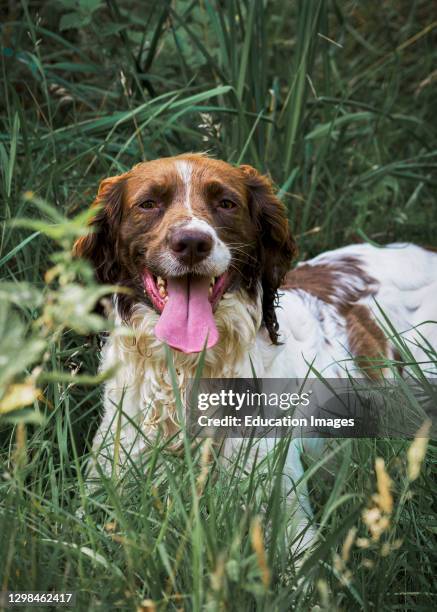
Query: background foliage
(336, 101)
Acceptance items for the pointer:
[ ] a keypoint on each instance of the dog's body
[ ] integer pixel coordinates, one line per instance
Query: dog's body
(325, 317)
(327, 314)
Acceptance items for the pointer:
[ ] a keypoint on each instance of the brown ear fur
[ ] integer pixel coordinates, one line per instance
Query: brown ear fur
(100, 246)
(276, 247)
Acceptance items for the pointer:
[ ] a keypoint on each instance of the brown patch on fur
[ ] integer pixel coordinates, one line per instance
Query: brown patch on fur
(327, 282)
(342, 285)
(366, 339)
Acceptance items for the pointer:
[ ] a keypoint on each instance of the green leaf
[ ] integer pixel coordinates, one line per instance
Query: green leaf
(74, 20)
(323, 130)
(18, 248)
(90, 5)
(23, 293)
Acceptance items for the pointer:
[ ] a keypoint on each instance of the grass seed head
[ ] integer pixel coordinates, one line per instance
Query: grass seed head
(417, 451)
(260, 551)
(384, 498)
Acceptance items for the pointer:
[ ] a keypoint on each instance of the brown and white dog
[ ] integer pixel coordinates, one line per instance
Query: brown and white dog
(205, 250)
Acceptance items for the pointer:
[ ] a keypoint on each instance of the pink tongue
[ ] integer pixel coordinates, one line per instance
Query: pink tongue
(187, 320)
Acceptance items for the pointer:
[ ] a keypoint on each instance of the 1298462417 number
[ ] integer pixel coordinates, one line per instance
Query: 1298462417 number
(10, 599)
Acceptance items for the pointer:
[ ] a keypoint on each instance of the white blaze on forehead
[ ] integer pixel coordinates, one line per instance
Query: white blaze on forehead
(185, 171)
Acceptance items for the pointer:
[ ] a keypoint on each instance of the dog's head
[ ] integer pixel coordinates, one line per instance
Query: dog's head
(181, 232)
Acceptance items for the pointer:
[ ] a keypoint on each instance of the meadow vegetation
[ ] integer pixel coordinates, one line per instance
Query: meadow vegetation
(336, 101)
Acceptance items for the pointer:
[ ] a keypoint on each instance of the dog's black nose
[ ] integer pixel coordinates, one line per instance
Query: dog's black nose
(190, 246)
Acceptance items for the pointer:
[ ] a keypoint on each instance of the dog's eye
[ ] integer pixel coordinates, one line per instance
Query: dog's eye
(226, 204)
(148, 204)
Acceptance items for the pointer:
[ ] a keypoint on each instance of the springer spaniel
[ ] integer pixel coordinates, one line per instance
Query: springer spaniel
(204, 250)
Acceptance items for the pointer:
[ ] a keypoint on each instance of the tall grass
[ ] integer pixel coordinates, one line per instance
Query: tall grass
(336, 100)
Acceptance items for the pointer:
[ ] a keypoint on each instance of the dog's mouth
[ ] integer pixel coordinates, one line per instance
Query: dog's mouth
(186, 305)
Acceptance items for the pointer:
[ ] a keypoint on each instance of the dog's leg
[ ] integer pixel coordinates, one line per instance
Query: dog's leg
(294, 491)
(301, 531)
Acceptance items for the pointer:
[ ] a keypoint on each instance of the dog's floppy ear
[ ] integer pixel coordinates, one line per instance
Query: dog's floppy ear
(276, 247)
(99, 247)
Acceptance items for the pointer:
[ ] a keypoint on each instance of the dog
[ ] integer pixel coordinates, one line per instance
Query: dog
(203, 251)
